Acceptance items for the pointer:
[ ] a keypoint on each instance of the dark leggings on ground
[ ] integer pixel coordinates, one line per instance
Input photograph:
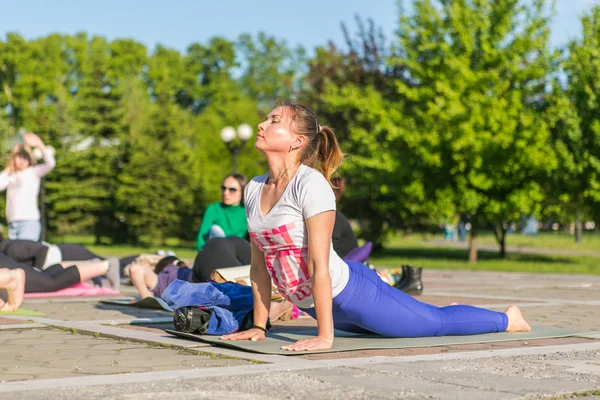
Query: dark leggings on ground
(76, 252)
(220, 253)
(368, 304)
(51, 279)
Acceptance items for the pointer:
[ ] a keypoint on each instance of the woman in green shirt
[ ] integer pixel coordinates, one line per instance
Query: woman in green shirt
(227, 217)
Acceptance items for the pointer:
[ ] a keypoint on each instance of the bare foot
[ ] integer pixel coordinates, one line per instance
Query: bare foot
(453, 304)
(516, 322)
(14, 287)
(280, 310)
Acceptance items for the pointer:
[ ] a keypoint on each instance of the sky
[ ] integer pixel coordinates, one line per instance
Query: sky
(178, 23)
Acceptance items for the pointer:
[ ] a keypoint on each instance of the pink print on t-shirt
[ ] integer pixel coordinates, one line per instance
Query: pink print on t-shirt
(281, 256)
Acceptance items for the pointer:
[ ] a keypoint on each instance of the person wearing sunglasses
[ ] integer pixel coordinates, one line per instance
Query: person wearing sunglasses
(226, 217)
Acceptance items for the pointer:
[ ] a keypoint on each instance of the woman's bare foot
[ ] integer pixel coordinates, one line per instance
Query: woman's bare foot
(14, 284)
(280, 311)
(453, 304)
(516, 322)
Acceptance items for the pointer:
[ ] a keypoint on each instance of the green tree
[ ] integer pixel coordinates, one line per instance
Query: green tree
(90, 161)
(270, 70)
(156, 189)
(476, 73)
(576, 136)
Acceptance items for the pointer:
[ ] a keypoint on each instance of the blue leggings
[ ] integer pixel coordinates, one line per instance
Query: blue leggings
(369, 305)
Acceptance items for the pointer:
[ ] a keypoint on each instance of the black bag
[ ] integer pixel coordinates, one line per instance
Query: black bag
(191, 319)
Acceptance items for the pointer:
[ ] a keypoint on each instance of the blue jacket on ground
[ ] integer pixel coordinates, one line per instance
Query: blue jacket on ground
(229, 302)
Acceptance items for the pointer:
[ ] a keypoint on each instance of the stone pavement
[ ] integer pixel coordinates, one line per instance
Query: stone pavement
(80, 348)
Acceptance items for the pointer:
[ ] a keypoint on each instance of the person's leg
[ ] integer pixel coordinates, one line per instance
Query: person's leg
(40, 281)
(29, 230)
(76, 252)
(13, 282)
(108, 267)
(143, 279)
(216, 231)
(94, 269)
(220, 253)
(371, 304)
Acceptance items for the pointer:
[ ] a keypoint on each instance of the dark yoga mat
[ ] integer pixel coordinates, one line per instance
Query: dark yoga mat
(153, 303)
(348, 341)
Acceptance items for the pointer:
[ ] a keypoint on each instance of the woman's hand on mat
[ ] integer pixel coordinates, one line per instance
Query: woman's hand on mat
(316, 343)
(251, 334)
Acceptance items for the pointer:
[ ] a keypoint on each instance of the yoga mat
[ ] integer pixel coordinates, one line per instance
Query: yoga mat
(23, 311)
(345, 341)
(153, 303)
(80, 289)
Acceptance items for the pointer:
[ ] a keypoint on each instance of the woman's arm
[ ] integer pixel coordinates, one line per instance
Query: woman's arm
(47, 166)
(261, 290)
(319, 229)
(33, 140)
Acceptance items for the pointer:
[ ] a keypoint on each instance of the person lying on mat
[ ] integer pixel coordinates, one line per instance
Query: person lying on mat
(56, 277)
(291, 212)
(226, 217)
(42, 254)
(13, 283)
(151, 283)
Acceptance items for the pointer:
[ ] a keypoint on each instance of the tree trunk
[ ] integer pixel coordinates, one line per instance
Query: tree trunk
(472, 245)
(578, 228)
(500, 234)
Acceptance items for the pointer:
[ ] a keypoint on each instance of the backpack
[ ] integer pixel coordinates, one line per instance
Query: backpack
(196, 320)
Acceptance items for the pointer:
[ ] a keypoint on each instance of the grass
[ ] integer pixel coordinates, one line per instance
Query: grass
(411, 250)
(182, 249)
(576, 395)
(547, 240)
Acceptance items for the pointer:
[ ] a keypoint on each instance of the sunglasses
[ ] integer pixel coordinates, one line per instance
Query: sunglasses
(231, 190)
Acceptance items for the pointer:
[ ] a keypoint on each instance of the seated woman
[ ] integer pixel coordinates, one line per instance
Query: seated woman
(13, 283)
(41, 255)
(227, 217)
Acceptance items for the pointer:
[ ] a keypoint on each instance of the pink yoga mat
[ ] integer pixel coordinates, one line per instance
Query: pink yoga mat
(80, 289)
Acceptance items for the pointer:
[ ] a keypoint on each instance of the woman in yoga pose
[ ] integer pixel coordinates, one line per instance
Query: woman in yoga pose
(291, 213)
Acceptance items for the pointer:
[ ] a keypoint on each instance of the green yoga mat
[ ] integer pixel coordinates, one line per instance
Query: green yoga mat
(23, 311)
(153, 303)
(348, 341)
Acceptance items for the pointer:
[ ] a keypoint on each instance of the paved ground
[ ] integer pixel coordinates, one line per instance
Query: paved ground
(82, 349)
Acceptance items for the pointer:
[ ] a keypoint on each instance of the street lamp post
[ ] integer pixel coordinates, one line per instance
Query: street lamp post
(229, 134)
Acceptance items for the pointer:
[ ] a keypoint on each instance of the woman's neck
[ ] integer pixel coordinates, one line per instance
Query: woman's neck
(281, 169)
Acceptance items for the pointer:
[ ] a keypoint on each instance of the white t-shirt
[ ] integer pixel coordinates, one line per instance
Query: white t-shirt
(282, 234)
(23, 188)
